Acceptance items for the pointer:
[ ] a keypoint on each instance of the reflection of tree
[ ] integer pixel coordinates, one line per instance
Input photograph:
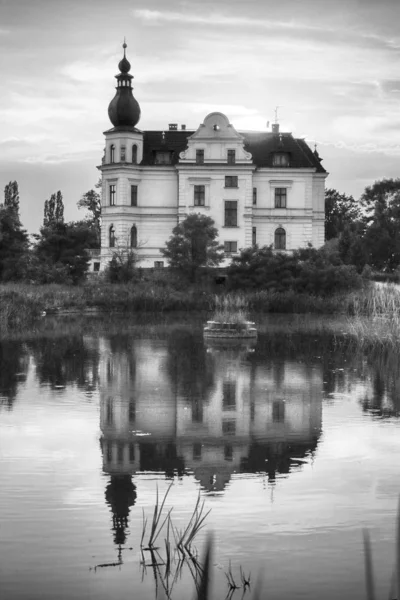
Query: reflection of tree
(161, 457)
(274, 458)
(190, 368)
(13, 369)
(120, 496)
(383, 366)
(65, 360)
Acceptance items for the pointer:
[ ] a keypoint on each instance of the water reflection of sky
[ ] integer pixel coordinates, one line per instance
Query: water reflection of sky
(295, 448)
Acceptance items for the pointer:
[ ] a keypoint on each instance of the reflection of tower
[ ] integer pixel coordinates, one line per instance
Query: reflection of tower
(120, 496)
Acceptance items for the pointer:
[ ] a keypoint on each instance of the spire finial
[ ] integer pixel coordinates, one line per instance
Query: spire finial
(124, 45)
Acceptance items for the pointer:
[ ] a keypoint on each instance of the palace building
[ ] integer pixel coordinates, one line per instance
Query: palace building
(259, 187)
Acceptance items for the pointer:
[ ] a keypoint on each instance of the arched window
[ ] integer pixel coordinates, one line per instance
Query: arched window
(280, 239)
(133, 237)
(134, 154)
(111, 237)
(112, 153)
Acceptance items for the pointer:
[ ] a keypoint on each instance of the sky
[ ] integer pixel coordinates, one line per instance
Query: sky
(332, 68)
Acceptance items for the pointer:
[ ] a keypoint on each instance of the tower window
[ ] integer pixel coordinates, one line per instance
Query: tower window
(199, 195)
(280, 239)
(254, 236)
(111, 236)
(199, 157)
(254, 196)
(112, 153)
(230, 213)
(231, 181)
(231, 157)
(133, 237)
(112, 194)
(134, 194)
(134, 154)
(280, 197)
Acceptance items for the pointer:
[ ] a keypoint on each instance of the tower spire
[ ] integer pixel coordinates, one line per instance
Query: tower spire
(124, 110)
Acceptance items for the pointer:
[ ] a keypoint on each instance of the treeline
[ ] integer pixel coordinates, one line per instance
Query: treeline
(362, 240)
(59, 252)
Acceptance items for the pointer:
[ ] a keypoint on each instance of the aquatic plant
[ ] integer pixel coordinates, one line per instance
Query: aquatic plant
(231, 308)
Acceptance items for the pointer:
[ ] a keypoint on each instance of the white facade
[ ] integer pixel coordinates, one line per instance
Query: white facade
(153, 180)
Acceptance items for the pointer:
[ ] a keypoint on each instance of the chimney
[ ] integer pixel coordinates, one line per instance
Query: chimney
(173, 126)
(183, 127)
(275, 127)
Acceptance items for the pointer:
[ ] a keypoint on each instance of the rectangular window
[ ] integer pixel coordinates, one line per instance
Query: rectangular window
(229, 395)
(230, 213)
(228, 427)
(254, 236)
(96, 267)
(109, 452)
(110, 412)
(158, 264)
(120, 452)
(132, 411)
(231, 181)
(230, 247)
(112, 194)
(197, 411)
(281, 159)
(228, 452)
(196, 451)
(163, 158)
(199, 195)
(131, 452)
(280, 197)
(231, 157)
(278, 411)
(254, 196)
(199, 157)
(134, 195)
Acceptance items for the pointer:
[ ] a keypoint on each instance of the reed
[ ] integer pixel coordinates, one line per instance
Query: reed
(231, 308)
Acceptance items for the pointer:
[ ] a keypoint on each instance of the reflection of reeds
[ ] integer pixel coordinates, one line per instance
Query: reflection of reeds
(369, 573)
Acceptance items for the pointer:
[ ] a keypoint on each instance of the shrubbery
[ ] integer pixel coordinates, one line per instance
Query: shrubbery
(317, 272)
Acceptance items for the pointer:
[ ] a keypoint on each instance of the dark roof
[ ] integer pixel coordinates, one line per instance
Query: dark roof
(261, 145)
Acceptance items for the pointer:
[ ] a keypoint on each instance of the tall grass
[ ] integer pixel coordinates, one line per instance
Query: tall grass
(17, 311)
(231, 308)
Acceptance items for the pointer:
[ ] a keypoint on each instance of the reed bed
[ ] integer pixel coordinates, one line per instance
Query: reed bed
(231, 308)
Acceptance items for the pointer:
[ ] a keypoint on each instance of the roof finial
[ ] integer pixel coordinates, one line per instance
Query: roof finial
(124, 45)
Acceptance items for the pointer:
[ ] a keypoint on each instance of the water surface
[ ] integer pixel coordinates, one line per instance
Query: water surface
(292, 442)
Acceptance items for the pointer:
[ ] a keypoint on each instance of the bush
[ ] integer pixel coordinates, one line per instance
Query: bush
(305, 271)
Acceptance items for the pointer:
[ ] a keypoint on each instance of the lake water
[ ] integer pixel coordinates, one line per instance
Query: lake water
(293, 444)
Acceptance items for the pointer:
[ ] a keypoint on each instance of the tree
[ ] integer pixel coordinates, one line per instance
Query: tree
(53, 210)
(60, 254)
(14, 241)
(123, 266)
(91, 201)
(340, 211)
(192, 245)
(381, 204)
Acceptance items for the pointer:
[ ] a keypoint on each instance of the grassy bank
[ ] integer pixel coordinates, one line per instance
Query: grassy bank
(21, 304)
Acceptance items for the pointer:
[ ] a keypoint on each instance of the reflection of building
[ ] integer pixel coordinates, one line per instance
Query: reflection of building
(240, 415)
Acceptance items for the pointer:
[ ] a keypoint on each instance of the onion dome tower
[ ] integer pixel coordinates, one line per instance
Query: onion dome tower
(124, 109)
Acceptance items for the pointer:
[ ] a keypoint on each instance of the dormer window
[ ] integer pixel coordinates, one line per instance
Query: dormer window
(200, 157)
(231, 157)
(163, 158)
(280, 159)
